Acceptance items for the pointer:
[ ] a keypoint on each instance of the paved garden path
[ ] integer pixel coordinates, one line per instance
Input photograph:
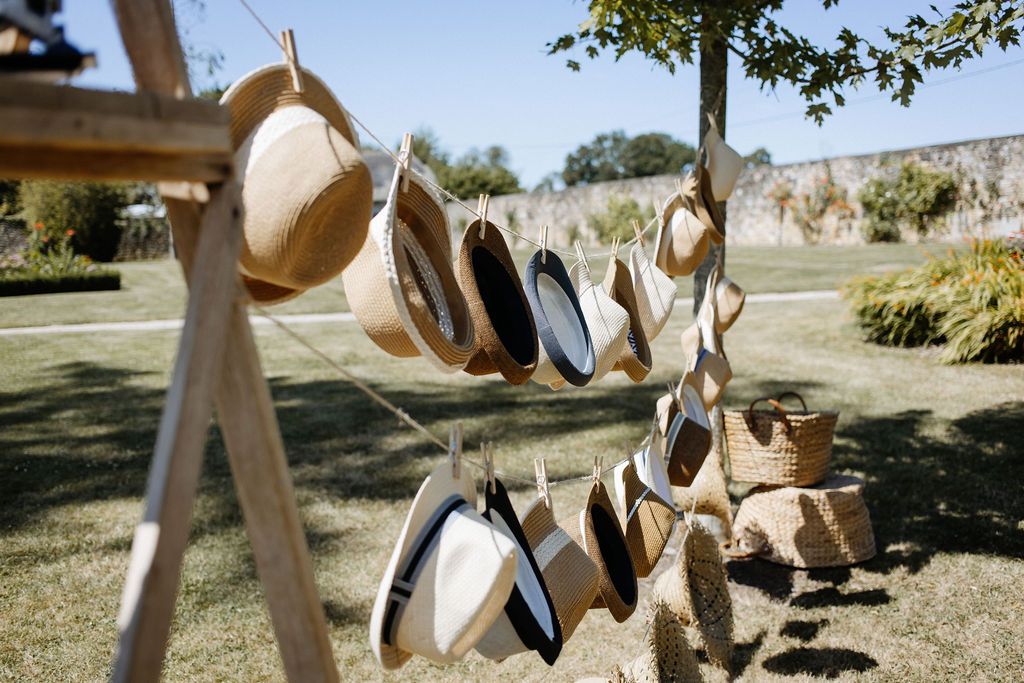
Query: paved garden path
(258, 320)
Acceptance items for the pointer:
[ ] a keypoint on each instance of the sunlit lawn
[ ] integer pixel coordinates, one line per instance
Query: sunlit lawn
(939, 446)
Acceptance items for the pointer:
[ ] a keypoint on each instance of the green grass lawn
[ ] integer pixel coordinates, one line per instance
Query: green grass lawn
(939, 446)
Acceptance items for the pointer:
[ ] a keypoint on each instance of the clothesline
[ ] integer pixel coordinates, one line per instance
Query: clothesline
(409, 420)
(394, 157)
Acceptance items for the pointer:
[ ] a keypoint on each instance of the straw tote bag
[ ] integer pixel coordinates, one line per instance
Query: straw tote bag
(779, 447)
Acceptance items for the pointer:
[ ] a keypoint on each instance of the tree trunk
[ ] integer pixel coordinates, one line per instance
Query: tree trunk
(713, 72)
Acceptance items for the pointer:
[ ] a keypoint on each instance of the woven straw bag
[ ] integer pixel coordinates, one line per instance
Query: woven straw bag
(778, 447)
(821, 526)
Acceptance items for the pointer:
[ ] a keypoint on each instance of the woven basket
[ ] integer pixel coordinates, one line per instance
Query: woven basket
(822, 526)
(777, 447)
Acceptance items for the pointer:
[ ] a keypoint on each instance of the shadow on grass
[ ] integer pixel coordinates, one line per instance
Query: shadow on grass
(803, 630)
(828, 662)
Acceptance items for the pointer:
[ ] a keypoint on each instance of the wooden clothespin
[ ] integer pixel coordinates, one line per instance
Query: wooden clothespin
(541, 469)
(290, 56)
(676, 396)
(481, 210)
(405, 158)
(679, 186)
(615, 248)
(582, 256)
(455, 449)
(660, 212)
(639, 233)
(487, 453)
(598, 464)
(543, 244)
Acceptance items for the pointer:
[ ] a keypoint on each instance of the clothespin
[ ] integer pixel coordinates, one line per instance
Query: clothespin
(405, 158)
(639, 233)
(455, 449)
(598, 464)
(679, 186)
(615, 248)
(541, 469)
(676, 396)
(290, 56)
(660, 212)
(481, 210)
(487, 453)
(582, 256)
(543, 244)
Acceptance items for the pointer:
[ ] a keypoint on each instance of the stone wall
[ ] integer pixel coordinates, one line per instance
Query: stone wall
(990, 174)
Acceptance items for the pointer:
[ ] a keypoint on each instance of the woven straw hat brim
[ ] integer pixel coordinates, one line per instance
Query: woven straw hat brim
(648, 521)
(655, 292)
(506, 334)
(706, 208)
(827, 525)
(571, 577)
(635, 359)
(711, 374)
(682, 241)
(441, 618)
(561, 328)
(529, 621)
(386, 288)
(596, 529)
(729, 300)
(724, 164)
(686, 446)
(303, 222)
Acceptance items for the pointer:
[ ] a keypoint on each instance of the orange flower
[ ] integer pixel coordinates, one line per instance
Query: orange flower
(70, 233)
(46, 239)
(39, 226)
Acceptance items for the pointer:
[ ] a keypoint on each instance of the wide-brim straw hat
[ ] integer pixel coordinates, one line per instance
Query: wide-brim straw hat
(647, 520)
(449, 577)
(682, 241)
(506, 335)
(596, 529)
(401, 286)
(561, 327)
(696, 590)
(650, 467)
(724, 163)
(635, 358)
(571, 577)
(826, 525)
(689, 436)
(711, 373)
(529, 621)
(306, 191)
(729, 299)
(654, 290)
(705, 205)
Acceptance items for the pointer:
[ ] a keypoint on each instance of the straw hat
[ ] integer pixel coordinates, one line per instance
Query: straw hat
(724, 163)
(650, 467)
(596, 529)
(666, 653)
(826, 525)
(705, 206)
(529, 621)
(711, 373)
(570, 576)
(303, 221)
(561, 328)
(401, 286)
(449, 577)
(646, 519)
(688, 439)
(655, 292)
(697, 591)
(506, 335)
(729, 300)
(635, 358)
(682, 241)
(708, 495)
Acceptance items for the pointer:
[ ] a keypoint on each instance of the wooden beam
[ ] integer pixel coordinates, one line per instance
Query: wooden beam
(151, 40)
(160, 539)
(35, 162)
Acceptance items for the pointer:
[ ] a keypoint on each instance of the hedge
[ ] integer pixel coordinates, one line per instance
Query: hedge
(20, 285)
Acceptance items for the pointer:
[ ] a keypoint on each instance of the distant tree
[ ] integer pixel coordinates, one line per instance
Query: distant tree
(427, 148)
(655, 154)
(549, 183)
(91, 210)
(477, 173)
(596, 161)
(617, 221)
(759, 157)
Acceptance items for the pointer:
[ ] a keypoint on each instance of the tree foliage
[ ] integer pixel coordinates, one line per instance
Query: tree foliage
(91, 210)
(759, 157)
(613, 155)
(672, 32)
(474, 173)
(916, 197)
(617, 221)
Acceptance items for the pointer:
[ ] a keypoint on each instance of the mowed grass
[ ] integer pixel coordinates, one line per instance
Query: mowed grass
(156, 289)
(939, 447)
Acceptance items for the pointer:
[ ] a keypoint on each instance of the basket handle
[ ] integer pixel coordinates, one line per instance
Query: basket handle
(793, 393)
(731, 549)
(776, 405)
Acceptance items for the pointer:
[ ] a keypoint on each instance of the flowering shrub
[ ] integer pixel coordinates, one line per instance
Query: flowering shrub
(811, 208)
(51, 265)
(972, 304)
(916, 197)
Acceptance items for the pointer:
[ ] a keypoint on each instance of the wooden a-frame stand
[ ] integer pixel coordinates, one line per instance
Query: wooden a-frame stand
(162, 134)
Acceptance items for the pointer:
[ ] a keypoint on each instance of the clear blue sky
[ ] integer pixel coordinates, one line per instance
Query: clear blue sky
(477, 73)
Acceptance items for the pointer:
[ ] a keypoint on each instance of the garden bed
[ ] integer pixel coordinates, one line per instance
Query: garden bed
(21, 285)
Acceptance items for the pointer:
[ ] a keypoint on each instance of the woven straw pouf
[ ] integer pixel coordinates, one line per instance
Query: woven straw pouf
(826, 525)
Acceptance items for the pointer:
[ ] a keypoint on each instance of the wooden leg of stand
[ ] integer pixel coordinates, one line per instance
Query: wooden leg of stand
(152, 581)
(264, 486)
